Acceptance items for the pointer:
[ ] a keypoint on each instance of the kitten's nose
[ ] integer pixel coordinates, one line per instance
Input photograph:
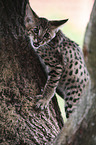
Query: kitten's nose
(35, 44)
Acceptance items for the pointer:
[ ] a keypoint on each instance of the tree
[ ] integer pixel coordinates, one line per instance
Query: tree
(81, 127)
(22, 77)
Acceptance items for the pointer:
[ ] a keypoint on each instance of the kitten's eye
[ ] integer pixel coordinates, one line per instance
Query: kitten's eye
(36, 30)
(46, 35)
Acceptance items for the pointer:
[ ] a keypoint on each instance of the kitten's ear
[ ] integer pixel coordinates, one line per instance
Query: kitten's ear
(56, 24)
(30, 16)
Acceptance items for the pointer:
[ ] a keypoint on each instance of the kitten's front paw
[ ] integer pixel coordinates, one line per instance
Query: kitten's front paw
(42, 103)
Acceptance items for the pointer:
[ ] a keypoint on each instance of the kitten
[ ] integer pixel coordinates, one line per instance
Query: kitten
(67, 73)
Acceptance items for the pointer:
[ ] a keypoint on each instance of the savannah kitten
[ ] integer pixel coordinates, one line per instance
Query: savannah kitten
(67, 73)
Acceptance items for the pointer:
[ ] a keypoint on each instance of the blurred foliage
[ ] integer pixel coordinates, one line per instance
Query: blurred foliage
(74, 34)
(61, 103)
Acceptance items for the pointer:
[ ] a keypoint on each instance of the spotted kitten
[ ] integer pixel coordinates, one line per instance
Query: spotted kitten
(67, 73)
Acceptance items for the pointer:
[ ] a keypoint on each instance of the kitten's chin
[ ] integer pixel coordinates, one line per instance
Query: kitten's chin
(36, 44)
(35, 47)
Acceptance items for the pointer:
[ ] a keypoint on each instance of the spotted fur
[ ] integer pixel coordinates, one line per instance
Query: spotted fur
(63, 60)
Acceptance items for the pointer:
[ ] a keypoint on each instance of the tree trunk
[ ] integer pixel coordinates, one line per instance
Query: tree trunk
(80, 129)
(21, 78)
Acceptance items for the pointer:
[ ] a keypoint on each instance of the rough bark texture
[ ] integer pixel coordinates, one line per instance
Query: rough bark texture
(21, 79)
(81, 127)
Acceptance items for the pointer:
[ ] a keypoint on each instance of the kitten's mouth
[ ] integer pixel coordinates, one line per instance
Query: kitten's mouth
(36, 44)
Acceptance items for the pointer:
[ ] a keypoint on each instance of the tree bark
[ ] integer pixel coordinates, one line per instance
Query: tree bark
(80, 129)
(22, 77)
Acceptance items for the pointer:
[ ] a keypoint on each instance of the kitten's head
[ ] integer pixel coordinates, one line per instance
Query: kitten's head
(40, 30)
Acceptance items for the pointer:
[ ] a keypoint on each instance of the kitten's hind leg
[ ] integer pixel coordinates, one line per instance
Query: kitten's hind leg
(71, 101)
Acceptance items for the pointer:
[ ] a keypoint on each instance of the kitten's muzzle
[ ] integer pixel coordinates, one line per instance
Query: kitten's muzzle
(36, 44)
